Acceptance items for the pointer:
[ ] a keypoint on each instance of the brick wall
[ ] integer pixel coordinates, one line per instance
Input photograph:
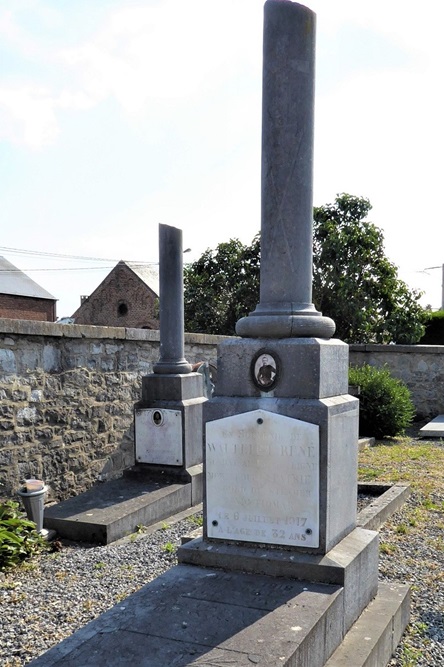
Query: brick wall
(121, 300)
(67, 397)
(27, 308)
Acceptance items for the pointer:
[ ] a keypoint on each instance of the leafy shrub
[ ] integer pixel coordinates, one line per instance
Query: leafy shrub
(386, 408)
(19, 538)
(434, 332)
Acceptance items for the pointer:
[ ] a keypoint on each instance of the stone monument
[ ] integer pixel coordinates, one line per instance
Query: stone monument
(281, 430)
(280, 454)
(168, 419)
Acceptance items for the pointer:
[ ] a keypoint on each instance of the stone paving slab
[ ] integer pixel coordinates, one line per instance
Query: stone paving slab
(194, 616)
(434, 429)
(113, 509)
(200, 616)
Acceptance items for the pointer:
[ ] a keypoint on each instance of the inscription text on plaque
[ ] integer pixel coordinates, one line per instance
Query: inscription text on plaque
(262, 479)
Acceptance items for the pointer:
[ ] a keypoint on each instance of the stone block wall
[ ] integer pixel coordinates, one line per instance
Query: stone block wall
(67, 395)
(421, 367)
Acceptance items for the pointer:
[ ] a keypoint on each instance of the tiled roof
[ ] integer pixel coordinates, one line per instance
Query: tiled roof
(149, 273)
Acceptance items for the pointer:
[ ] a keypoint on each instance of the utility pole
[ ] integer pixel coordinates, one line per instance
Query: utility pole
(428, 268)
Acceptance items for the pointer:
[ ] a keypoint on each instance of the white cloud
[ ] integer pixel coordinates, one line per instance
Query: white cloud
(27, 116)
(163, 52)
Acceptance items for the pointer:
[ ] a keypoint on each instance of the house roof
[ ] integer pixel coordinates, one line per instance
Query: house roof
(14, 281)
(149, 273)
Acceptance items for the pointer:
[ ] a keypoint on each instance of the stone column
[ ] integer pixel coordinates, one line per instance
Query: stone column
(172, 360)
(285, 308)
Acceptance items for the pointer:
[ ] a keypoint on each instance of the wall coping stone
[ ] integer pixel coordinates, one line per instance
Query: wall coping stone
(397, 349)
(41, 328)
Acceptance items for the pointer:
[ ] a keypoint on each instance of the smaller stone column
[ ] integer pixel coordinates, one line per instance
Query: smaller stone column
(172, 360)
(168, 418)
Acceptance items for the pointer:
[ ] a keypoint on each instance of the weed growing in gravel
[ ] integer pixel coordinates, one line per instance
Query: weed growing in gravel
(386, 548)
(419, 628)
(169, 547)
(139, 530)
(369, 474)
(197, 520)
(401, 529)
(165, 525)
(121, 596)
(410, 656)
(99, 565)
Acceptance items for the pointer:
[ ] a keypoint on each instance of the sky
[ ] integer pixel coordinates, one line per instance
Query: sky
(118, 115)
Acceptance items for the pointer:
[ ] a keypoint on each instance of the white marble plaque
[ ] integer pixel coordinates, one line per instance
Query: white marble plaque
(262, 479)
(158, 435)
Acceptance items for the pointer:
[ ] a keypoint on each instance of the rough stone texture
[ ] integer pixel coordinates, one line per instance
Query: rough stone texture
(421, 367)
(67, 399)
(67, 394)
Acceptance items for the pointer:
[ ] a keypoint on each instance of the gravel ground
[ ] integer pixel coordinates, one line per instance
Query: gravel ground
(417, 558)
(80, 582)
(76, 585)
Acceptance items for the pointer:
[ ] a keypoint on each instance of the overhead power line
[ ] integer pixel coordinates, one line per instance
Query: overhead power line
(41, 253)
(63, 268)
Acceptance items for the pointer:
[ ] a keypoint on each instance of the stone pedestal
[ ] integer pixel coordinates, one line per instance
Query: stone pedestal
(168, 427)
(281, 439)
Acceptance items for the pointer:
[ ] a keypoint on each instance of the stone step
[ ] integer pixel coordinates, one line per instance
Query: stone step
(434, 429)
(373, 639)
(113, 509)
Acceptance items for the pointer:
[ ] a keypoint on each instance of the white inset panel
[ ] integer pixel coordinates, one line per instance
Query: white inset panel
(158, 436)
(262, 479)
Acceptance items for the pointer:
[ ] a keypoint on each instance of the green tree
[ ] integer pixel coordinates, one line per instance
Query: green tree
(353, 281)
(221, 287)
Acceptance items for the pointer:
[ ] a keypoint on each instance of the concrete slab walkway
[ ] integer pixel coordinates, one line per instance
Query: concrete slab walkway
(208, 617)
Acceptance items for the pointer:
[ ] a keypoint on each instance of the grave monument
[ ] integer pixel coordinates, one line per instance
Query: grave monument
(168, 419)
(281, 429)
(282, 575)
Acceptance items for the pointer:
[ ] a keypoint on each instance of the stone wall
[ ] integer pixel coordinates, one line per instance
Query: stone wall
(68, 392)
(421, 367)
(67, 396)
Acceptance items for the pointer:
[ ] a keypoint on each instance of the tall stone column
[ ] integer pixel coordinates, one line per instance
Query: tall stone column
(285, 309)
